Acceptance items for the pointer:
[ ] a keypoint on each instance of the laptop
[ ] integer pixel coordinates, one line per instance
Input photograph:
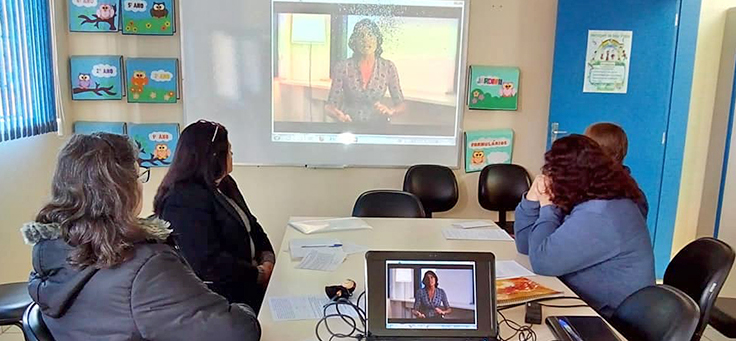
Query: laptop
(431, 296)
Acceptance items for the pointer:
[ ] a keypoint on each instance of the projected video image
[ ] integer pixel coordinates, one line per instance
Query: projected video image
(389, 69)
(438, 295)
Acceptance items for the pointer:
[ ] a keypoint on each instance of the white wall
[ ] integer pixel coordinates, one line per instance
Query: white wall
(522, 35)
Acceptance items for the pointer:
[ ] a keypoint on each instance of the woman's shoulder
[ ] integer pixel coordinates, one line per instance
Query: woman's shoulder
(387, 63)
(189, 191)
(607, 207)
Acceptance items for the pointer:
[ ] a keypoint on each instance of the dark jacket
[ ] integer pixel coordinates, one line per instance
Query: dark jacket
(152, 296)
(214, 239)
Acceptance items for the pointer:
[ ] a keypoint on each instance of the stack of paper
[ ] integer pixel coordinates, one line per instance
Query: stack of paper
(322, 260)
(475, 224)
(329, 225)
(511, 269)
(301, 247)
(476, 234)
(303, 308)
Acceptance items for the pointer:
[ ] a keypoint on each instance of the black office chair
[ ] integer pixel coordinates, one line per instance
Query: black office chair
(699, 270)
(656, 313)
(388, 204)
(34, 328)
(723, 317)
(434, 185)
(500, 188)
(14, 299)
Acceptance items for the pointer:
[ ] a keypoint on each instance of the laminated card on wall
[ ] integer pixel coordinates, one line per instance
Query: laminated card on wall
(94, 15)
(156, 143)
(149, 17)
(96, 77)
(152, 80)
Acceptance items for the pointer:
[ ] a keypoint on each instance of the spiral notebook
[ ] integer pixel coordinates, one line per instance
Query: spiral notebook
(520, 290)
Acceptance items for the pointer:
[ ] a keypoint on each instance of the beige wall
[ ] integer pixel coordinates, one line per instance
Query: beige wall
(699, 184)
(275, 193)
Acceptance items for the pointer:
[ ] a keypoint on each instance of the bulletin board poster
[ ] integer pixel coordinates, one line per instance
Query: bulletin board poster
(156, 143)
(487, 147)
(607, 62)
(493, 88)
(94, 15)
(148, 17)
(152, 80)
(96, 77)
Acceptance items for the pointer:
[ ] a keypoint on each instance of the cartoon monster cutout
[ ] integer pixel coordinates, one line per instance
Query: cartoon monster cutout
(479, 157)
(105, 12)
(84, 81)
(162, 152)
(159, 10)
(507, 90)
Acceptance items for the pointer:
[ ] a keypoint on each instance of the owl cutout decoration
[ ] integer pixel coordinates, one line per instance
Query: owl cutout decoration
(493, 88)
(156, 143)
(148, 17)
(152, 80)
(94, 15)
(96, 77)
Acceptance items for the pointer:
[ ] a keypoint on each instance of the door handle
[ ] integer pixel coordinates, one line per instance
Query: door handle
(555, 132)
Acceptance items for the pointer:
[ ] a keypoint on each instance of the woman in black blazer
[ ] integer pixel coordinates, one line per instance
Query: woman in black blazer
(213, 227)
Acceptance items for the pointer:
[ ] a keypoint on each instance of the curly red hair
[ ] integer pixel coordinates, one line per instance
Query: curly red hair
(579, 170)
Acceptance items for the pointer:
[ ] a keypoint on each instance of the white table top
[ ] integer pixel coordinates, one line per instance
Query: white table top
(389, 234)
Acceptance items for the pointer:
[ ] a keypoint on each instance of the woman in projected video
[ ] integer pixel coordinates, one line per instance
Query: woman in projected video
(430, 301)
(359, 83)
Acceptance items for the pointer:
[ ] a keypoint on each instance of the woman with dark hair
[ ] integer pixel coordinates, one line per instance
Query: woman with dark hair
(100, 273)
(213, 226)
(581, 221)
(360, 83)
(430, 301)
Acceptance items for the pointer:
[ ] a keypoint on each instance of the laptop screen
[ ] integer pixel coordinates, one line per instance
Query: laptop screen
(431, 295)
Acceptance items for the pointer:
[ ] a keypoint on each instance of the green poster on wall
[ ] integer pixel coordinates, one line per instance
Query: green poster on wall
(493, 88)
(486, 147)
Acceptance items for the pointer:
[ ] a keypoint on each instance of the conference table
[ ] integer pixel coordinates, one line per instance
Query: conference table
(390, 234)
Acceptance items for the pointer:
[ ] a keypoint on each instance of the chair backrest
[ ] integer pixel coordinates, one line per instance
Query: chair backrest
(501, 186)
(700, 269)
(434, 185)
(388, 204)
(34, 328)
(657, 313)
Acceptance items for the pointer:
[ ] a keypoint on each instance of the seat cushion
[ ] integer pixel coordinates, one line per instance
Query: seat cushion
(723, 316)
(14, 300)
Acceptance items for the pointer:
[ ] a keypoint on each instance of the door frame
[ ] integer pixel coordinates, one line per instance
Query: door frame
(726, 157)
(687, 37)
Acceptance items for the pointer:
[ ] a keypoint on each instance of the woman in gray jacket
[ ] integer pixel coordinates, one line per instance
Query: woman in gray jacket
(100, 273)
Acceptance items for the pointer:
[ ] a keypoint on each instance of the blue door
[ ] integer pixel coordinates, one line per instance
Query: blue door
(645, 109)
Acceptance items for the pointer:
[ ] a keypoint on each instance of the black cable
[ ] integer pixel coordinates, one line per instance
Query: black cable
(356, 332)
(540, 300)
(524, 333)
(564, 306)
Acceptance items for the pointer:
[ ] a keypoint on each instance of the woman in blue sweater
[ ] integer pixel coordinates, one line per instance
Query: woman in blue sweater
(580, 221)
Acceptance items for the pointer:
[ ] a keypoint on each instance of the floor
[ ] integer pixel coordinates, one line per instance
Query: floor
(14, 334)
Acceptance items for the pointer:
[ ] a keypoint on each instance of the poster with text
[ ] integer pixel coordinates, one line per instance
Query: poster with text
(94, 15)
(607, 62)
(152, 80)
(96, 77)
(91, 127)
(487, 147)
(156, 143)
(493, 88)
(148, 17)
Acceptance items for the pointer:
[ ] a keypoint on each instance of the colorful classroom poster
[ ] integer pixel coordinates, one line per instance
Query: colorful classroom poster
(607, 62)
(149, 17)
(96, 77)
(90, 127)
(152, 80)
(94, 15)
(493, 88)
(156, 143)
(486, 147)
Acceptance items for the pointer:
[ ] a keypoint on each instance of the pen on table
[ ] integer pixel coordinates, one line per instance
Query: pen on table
(312, 246)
